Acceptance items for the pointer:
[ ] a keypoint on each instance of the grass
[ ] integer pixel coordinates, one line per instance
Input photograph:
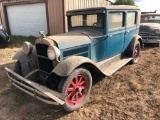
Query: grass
(21, 39)
(6, 92)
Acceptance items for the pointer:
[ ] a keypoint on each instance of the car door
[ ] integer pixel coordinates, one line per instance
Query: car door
(116, 31)
(131, 27)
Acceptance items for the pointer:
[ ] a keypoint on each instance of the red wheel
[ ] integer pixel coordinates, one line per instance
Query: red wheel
(76, 88)
(134, 51)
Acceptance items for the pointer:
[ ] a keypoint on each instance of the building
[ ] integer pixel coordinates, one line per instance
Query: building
(28, 17)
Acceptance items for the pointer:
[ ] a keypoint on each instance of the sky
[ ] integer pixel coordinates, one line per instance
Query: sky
(147, 5)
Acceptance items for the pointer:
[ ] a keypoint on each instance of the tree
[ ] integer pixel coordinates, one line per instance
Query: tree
(124, 2)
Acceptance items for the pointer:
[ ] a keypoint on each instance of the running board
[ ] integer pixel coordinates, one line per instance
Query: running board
(111, 65)
(116, 66)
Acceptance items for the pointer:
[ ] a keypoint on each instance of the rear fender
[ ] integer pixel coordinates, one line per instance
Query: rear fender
(139, 38)
(66, 67)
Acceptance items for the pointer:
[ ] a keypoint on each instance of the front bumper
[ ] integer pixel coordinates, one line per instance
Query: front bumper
(151, 41)
(36, 90)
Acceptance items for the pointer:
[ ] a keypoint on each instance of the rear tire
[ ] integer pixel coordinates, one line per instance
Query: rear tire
(76, 88)
(17, 68)
(134, 51)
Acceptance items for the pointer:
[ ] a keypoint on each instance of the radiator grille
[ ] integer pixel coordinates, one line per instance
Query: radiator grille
(44, 64)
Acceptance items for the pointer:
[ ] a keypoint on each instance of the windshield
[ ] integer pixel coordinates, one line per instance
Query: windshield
(150, 18)
(92, 20)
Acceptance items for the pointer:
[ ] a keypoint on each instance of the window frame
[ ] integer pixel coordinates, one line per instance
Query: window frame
(123, 20)
(70, 20)
(135, 21)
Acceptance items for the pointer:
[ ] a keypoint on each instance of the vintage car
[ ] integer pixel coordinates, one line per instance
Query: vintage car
(150, 27)
(4, 37)
(59, 68)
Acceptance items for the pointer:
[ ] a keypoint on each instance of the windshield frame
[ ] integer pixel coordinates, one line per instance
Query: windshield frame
(150, 21)
(86, 12)
(100, 18)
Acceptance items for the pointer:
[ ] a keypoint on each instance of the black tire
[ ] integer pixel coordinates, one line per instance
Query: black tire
(17, 68)
(2, 43)
(134, 51)
(77, 94)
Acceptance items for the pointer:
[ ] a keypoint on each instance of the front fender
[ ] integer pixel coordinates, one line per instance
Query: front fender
(66, 67)
(28, 62)
(18, 55)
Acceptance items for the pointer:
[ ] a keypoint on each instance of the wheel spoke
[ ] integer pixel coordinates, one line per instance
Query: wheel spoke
(76, 82)
(80, 79)
(80, 94)
(82, 83)
(70, 94)
(82, 87)
(73, 84)
(77, 96)
(70, 89)
(73, 98)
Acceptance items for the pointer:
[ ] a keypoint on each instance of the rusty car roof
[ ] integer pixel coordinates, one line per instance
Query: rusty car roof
(114, 7)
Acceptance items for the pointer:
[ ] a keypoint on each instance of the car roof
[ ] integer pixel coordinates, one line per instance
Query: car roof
(146, 14)
(109, 7)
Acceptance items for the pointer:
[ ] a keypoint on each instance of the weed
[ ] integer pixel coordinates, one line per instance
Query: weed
(5, 92)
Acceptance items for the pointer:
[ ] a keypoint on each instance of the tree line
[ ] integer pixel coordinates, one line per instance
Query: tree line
(124, 2)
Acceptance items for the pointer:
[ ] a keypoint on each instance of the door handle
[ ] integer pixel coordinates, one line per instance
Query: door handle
(127, 31)
(110, 35)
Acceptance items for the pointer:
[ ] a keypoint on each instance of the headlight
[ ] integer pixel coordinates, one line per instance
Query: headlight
(53, 52)
(27, 47)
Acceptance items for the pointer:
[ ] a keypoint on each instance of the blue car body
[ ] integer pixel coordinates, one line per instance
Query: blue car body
(101, 39)
(97, 43)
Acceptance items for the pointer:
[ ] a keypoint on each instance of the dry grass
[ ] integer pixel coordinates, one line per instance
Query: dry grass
(132, 93)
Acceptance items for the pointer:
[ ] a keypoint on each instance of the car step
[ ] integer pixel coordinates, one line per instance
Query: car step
(113, 67)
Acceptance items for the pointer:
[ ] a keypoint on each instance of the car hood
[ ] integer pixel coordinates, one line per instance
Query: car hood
(73, 38)
(149, 27)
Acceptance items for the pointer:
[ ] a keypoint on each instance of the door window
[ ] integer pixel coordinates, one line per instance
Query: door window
(115, 20)
(131, 19)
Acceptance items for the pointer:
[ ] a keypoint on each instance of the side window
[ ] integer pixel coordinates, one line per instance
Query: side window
(115, 20)
(131, 19)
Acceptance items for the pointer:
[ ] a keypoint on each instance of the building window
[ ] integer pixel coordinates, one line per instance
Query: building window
(115, 20)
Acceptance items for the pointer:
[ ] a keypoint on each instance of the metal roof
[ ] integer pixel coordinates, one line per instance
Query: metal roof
(109, 7)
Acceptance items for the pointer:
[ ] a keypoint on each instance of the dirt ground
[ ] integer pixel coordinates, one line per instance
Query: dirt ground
(132, 93)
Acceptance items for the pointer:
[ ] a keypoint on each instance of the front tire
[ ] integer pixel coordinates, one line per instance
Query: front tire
(17, 68)
(76, 88)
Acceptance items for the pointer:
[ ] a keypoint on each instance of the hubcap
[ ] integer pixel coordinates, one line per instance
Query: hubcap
(76, 90)
(136, 52)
